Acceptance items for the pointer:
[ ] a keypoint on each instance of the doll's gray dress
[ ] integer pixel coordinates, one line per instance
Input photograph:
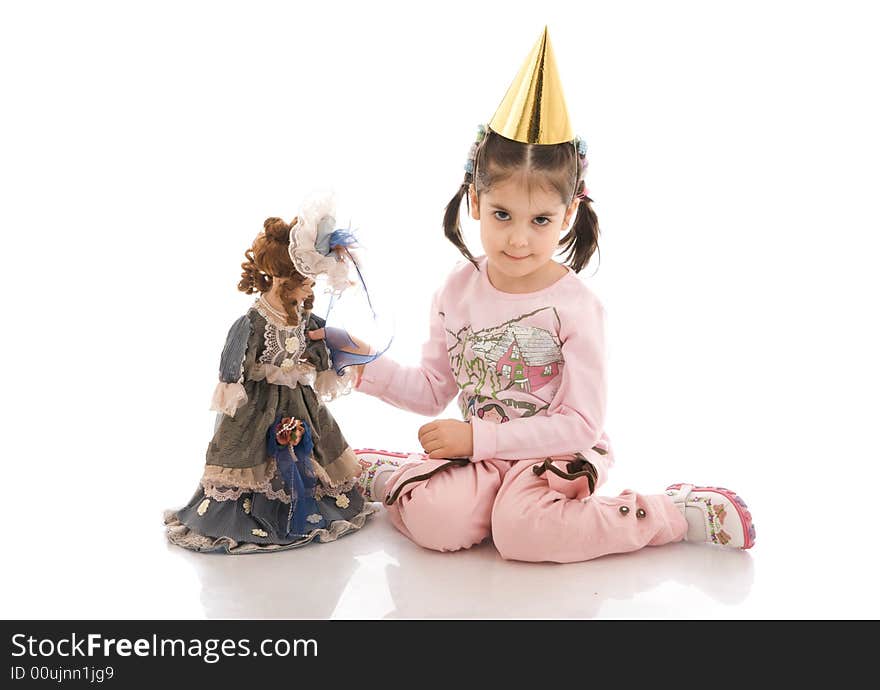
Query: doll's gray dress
(268, 371)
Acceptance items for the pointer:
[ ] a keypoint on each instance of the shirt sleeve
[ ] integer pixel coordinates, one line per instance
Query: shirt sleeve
(426, 389)
(575, 417)
(229, 393)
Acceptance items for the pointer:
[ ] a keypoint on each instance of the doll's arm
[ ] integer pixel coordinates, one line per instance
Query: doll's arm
(576, 415)
(229, 394)
(425, 389)
(329, 385)
(316, 352)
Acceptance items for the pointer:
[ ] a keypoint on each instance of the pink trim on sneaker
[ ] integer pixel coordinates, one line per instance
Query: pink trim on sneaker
(745, 516)
(373, 462)
(383, 452)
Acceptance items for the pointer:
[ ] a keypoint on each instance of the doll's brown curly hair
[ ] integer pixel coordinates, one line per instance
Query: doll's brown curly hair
(268, 260)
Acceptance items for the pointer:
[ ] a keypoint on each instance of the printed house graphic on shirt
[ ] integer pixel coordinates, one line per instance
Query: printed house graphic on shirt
(528, 356)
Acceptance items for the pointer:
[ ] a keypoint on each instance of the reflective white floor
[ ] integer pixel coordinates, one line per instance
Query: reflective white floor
(376, 573)
(85, 537)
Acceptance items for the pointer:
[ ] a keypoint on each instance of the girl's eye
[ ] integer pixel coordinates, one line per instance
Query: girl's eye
(542, 220)
(502, 215)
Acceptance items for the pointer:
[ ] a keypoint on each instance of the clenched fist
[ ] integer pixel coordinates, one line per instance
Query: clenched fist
(447, 438)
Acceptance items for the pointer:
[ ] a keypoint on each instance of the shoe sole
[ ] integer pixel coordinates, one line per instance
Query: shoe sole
(745, 516)
(382, 452)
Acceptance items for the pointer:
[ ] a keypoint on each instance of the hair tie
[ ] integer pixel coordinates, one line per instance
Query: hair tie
(470, 165)
(584, 193)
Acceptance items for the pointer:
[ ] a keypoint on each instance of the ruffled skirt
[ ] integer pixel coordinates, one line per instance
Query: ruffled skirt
(255, 521)
(242, 504)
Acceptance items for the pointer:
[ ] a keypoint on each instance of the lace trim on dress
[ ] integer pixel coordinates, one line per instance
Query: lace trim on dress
(228, 483)
(284, 345)
(181, 535)
(234, 493)
(245, 477)
(301, 373)
(322, 491)
(329, 385)
(228, 397)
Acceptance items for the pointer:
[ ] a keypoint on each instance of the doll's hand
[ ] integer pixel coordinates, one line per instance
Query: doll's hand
(317, 334)
(447, 438)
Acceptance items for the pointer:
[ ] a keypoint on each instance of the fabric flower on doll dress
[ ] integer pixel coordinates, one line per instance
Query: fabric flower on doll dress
(287, 429)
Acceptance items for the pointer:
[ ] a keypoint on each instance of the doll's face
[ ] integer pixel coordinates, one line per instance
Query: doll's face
(304, 291)
(301, 292)
(520, 226)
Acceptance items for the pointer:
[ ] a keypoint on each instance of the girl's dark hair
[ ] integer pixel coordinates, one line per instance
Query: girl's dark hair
(557, 165)
(267, 259)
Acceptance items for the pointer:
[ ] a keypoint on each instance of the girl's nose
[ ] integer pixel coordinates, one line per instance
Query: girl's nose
(518, 238)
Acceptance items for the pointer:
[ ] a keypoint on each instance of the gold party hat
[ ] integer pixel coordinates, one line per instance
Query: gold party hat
(533, 110)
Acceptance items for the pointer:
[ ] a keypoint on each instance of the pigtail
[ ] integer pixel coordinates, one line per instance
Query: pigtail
(582, 240)
(452, 220)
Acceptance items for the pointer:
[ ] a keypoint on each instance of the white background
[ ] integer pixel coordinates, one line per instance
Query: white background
(734, 157)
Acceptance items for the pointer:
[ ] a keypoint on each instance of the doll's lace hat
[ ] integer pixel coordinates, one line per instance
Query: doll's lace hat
(317, 247)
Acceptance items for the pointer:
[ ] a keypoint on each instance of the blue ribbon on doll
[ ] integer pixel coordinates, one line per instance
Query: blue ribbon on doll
(338, 340)
(294, 467)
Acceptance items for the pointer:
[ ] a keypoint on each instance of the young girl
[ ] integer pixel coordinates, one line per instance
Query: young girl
(278, 472)
(520, 339)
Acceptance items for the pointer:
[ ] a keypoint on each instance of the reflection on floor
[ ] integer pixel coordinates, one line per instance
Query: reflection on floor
(377, 573)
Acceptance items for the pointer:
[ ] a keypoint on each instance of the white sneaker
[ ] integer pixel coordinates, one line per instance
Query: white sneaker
(714, 514)
(376, 463)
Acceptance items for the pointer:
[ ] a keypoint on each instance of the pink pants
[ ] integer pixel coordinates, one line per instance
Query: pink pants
(529, 517)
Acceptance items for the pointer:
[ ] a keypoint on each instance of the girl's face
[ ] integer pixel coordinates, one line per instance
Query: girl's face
(520, 227)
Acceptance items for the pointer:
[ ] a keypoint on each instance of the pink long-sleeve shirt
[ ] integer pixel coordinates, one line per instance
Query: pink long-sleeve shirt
(529, 369)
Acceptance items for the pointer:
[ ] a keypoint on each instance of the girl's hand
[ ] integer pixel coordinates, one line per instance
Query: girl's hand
(362, 349)
(358, 373)
(317, 334)
(447, 438)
